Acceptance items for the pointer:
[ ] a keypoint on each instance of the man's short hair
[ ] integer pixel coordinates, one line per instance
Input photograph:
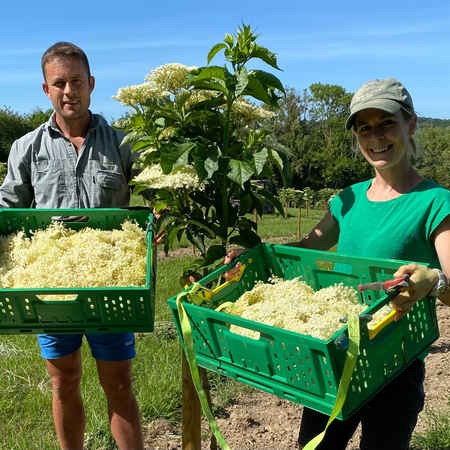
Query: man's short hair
(64, 50)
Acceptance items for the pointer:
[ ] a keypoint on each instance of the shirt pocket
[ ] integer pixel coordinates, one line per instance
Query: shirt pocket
(109, 188)
(48, 181)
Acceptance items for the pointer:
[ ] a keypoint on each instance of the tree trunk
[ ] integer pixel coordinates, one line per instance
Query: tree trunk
(286, 210)
(307, 208)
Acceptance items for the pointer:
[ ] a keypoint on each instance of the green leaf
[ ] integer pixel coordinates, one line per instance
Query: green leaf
(240, 172)
(213, 254)
(260, 159)
(203, 73)
(195, 239)
(129, 138)
(247, 238)
(180, 99)
(172, 235)
(175, 155)
(267, 56)
(241, 77)
(245, 204)
(163, 221)
(213, 52)
(282, 162)
(143, 143)
(215, 102)
(197, 115)
(211, 164)
(268, 79)
(122, 123)
(204, 225)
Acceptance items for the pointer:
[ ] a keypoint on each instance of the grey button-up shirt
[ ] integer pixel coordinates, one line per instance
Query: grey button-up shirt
(44, 167)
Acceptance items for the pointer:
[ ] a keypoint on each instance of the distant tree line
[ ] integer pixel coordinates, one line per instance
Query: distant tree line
(310, 125)
(14, 125)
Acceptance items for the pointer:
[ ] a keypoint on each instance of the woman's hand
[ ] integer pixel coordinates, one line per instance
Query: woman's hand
(231, 256)
(421, 281)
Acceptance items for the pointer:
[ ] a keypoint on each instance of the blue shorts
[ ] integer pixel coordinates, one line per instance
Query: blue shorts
(105, 347)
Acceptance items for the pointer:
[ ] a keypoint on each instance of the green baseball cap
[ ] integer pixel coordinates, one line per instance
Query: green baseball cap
(389, 95)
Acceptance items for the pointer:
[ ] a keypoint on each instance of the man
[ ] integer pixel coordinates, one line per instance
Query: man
(74, 161)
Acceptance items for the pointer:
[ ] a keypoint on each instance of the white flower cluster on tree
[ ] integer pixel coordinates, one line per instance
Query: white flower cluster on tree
(61, 257)
(183, 177)
(295, 306)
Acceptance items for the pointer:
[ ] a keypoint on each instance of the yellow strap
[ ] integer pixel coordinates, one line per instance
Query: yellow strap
(192, 360)
(350, 361)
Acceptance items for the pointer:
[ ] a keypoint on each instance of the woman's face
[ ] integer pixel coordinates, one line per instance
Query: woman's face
(384, 137)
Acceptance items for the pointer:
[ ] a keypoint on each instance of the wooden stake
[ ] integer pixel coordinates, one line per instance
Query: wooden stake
(205, 383)
(299, 221)
(191, 410)
(286, 210)
(307, 208)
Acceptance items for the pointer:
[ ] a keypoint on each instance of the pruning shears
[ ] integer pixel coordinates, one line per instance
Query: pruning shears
(387, 286)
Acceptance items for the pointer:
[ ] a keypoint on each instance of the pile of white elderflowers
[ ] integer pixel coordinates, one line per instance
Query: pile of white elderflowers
(58, 256)
(295, 306)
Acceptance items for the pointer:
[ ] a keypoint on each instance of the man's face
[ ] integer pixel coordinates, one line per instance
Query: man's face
(69, 87)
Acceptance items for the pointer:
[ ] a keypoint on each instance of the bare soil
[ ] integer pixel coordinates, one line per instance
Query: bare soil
(264, 422)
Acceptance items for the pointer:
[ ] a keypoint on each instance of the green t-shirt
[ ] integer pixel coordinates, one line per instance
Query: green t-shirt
(395, 229)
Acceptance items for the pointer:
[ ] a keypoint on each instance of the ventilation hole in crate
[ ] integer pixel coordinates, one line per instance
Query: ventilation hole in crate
(128, 302)
(120, 298)
(423, 336)
(313, 381)
(357, 377)
(141, 299)
(221, 338)
(202, 321)
(4, 312)
(7, 300)
(220, 329)
(307, 384)
(92, 306)
(298, 350)
(359, 389)
(353, 388)
(276, 356)
(361, 362)
(142, 307)
(204, 331)
(330, 384)
(1, 303)
(286, 357)
(282, 345)
(363, 374)
(12, 313)
(310, 370)
(300, 361)
(303, 373)
(231, 357)
(307, 358)
(129, 309)
(298, 376)
(278, 367)
(122, 312)
(256, 367)
(105, 298)
(364, 352)
(26, 301)
(288, 368)
(108, 312)
(9, 307)
(292, 380)
(327, 372)
(204, 344)
(27, 307)
(295, 365)
(324, 359)
(113, 302)
(106, 305)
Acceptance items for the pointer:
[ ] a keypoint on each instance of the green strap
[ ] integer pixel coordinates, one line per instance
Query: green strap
(349, 366)
(192, 360)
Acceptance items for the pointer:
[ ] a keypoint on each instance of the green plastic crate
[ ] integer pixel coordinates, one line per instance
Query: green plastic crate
(95, 310)
(301, 368)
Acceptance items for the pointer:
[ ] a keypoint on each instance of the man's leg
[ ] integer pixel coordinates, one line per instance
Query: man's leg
(123, 410)
(68, 411)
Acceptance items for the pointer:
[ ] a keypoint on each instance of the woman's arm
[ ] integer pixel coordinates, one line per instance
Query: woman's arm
(324, 235)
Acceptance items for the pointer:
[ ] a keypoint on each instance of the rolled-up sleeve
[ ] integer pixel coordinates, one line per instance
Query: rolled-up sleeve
(16, 190)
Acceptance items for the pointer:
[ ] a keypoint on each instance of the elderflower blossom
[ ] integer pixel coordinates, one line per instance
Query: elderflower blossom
(169, 77)
(294, 306)
(182, 177)
(250, 113)
(136, 94)
(61, 257)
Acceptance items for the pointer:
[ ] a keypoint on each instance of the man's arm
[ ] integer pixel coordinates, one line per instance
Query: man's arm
(16, 191)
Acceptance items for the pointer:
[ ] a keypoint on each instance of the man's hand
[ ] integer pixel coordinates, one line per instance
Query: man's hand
(231, 256)
(421, 281)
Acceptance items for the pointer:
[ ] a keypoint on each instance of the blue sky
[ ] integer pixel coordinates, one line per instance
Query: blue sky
(343, 42)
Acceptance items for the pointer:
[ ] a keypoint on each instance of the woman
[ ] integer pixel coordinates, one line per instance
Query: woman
(396, 215)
